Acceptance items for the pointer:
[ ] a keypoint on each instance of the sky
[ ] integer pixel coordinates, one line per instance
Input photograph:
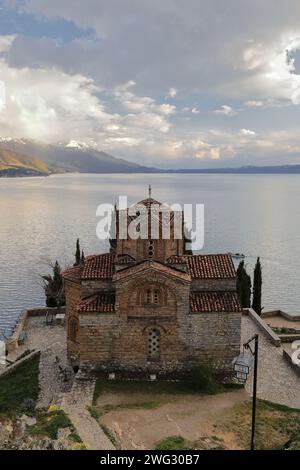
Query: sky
(171, 84)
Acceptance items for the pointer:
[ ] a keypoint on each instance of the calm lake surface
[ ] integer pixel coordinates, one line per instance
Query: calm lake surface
(251, 214)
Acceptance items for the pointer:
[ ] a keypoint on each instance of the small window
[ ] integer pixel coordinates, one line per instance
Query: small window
(152, 297)
(151, 249)
(148, 297)
(154, 344)
(73, 329)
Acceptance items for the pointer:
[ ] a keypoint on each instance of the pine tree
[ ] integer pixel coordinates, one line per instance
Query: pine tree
(243, 285)
(257, 284)
(78, 253)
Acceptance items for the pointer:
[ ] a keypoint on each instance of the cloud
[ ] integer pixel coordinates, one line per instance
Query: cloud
(254, 104)
(115, 79)
(172, 93)
(48, 105)
(6, 42)
(225, 110)
(247, 132)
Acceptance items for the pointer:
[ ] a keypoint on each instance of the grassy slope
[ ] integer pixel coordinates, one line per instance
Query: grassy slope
(21, 384)
(12, 160)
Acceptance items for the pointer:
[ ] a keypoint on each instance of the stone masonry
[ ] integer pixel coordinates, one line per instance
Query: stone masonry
(147, 307)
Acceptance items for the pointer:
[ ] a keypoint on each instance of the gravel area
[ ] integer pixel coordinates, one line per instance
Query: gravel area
(277, 382)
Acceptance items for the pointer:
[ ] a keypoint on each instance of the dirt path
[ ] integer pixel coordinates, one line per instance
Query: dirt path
(190, 416)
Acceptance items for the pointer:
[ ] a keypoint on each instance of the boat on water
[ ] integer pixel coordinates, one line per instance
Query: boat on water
(237, 255)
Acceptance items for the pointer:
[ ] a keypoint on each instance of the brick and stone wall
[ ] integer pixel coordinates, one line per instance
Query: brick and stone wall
(73, 297)
(94, 287)
(119, 341)
(215, 337)
(213, 285)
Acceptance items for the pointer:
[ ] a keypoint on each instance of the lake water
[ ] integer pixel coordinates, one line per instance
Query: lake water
(41, 218)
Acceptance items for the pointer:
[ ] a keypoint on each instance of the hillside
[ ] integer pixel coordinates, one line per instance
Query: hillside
(16, 164)
(61, 158)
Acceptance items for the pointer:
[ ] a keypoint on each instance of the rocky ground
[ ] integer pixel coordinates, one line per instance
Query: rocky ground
(15, 435)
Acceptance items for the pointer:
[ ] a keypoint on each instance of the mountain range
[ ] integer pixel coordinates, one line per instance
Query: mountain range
(24, 157)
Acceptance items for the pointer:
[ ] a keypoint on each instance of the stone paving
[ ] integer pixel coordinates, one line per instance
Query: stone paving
(75, 404)
(277, 382)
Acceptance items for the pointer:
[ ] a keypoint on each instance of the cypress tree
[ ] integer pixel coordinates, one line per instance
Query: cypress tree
(257, 283)
(82, 257)
(243, 285)
(78, 253)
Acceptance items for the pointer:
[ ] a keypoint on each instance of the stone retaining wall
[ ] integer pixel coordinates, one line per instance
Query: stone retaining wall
(289, 338)
(8, 370)
(280, 313)
(288, 358)
(264, 327)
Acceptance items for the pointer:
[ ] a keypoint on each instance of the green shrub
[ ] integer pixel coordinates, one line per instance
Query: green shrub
(48, 424)
(172, 443)
(203, 379)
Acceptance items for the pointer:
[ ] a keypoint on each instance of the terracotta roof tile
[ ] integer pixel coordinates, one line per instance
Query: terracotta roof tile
(222, 301)
(207, 266)
(101, 303)
(73, 274)
(149, 201)
(98, 267)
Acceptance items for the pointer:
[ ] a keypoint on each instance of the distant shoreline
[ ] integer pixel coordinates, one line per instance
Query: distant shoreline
(249, 170)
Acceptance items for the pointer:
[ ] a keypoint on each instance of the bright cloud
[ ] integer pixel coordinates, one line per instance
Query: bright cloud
(225, 110)
(247, 132)
(254, 104)
(172, 93)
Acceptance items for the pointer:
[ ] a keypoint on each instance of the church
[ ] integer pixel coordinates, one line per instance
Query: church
(150, 308)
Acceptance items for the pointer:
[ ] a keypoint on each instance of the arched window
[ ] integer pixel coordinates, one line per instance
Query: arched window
(154, 344)
(73, 328)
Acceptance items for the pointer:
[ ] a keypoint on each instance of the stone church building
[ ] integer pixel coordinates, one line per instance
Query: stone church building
(147, 307)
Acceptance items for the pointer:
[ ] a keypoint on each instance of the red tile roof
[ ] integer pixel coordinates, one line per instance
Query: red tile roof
(226, 301)
(101, 303)
(98, 267)
(73, 274)
(207, 266)
(149, 201)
